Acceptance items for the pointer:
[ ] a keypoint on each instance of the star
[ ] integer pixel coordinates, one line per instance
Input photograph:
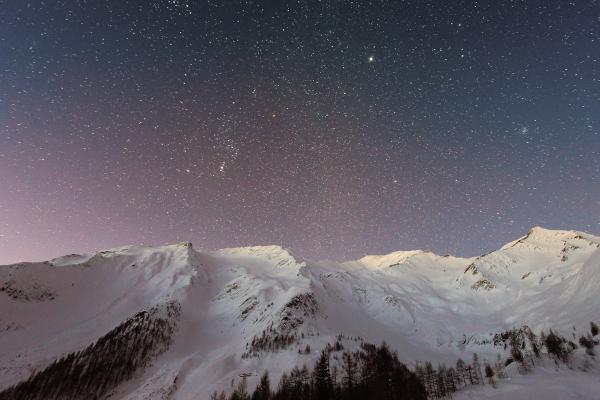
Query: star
(246, 116)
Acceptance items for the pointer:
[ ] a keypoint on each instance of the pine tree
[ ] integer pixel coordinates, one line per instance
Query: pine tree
(322, 378)
(334, 375)
(476, 370)
(441, 381)
(594, 328)
(558, 346)
(499, 367)
(284, 387)
(450, 380)
(489, 374)
(349, 370)
(218, 396)
(461, 374)
(588, 344)
(419, 371)
(430, 380)
(305, 380)
(296, 382)
(378, 375)
(536, 349)
(263, 390)
(241, 392)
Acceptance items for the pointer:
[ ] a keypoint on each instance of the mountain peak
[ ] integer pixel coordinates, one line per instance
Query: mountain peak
(384, 260)
(543, 237)
(281, 256)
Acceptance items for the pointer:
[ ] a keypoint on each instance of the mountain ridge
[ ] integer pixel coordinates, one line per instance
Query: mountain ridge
(540, 231)
(247, 309)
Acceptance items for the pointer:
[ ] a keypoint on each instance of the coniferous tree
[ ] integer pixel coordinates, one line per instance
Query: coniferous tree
(489, 374)
(499, 368)
(469, 374)
(450, 380)
(476, 370)
(461, 375)
(349, 369)
(241, 392)
(517, 355)
(441, 381)
(334, 376)
(296, 384)
(263, 390)
(378, 374)
(283, 388)
(536, 349)
(323, 386)
(305, 377)
(430, 380)
(558, 346)
(91, 372)
(588, 343)
(419, 371)
(594, 328)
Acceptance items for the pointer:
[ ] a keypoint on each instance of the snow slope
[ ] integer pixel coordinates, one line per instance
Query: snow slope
(244, 310)
(547, 381)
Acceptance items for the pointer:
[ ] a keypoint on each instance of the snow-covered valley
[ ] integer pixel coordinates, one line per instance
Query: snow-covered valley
(242, 311)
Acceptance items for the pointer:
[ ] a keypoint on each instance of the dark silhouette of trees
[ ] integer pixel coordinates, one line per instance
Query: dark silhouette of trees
(593, 328)
(559, 346)
(489, 374)
(218, 396)
(588, 343)
(269, 341)
(499, 367)
(92, 372)
(461, 374)
(443, 381)
(450, 380)
(373, 372)
(476, 375)
(349, 368)
(524, 345)
(322, 378)
(241, 392)
(263, 390)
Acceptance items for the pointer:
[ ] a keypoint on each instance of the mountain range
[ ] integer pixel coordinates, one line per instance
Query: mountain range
(196, 322)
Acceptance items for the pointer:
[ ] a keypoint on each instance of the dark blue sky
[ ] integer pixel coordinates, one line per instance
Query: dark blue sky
(336, 128)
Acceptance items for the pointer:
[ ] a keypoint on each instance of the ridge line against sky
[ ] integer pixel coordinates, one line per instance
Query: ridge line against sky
(334, 128)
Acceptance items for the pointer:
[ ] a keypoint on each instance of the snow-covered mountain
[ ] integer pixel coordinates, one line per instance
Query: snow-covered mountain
(236, 312)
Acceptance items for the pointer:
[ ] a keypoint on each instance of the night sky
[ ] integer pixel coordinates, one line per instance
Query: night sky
(334, 128)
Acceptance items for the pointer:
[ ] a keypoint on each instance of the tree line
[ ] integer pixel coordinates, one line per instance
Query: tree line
(371, 372)
(523, 346)
(375, 372)
(112, 359)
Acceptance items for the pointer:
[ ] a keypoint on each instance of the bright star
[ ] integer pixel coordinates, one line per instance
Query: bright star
(371, 59)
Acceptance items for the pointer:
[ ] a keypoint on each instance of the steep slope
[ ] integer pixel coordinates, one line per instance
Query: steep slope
(63, 305)
(244, 310)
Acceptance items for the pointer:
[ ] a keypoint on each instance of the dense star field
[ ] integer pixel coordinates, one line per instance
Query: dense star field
(336, 128)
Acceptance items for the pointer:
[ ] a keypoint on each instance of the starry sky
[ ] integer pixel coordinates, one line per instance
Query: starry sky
(335, 128)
